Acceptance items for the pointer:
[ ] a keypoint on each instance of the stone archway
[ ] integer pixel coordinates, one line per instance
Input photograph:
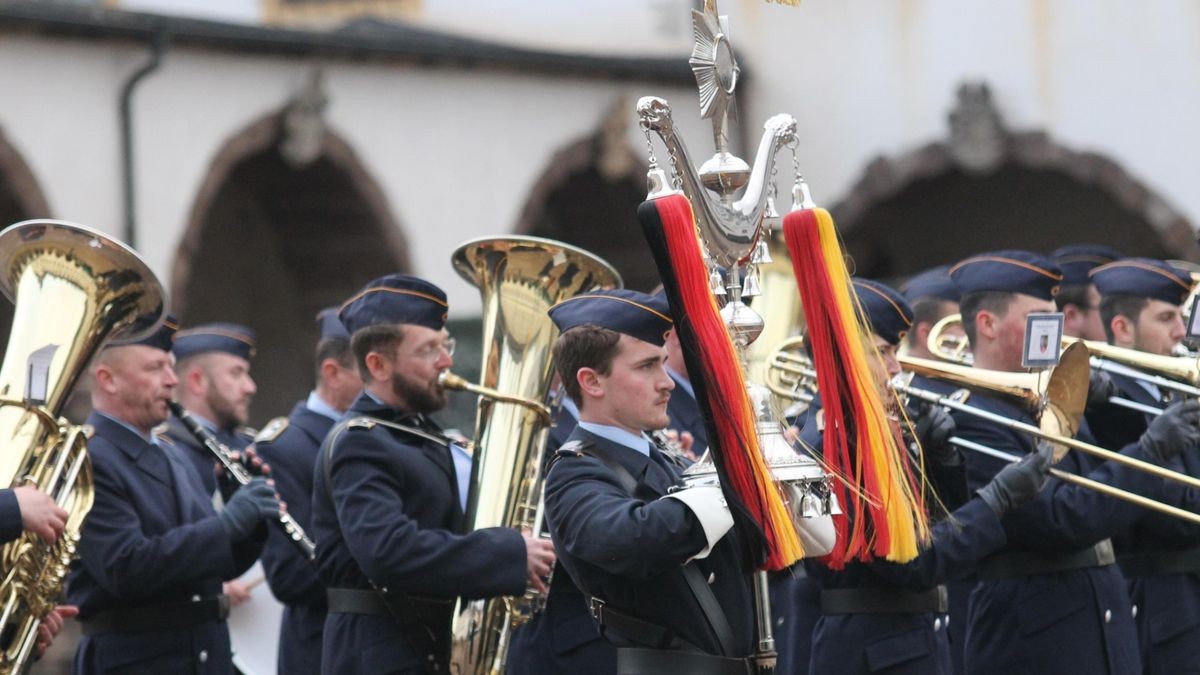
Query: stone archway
(986, 188)
(271, 241)
(588, 196)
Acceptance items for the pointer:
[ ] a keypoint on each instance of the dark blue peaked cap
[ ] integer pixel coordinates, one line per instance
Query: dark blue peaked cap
(160, 339)
(228, 338)
(932, 283)
(887, 310)
(330, 326)
(1078, 260)
(1144, 278)
(638, 315)
(1008, 271)
(395, 299)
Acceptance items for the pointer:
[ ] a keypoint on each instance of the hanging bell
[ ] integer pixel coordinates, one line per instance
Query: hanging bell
(717, 283)
(762, 251)
(801, 197)
(750, 287)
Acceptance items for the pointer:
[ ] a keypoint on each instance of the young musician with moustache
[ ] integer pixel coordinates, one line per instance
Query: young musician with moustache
(663, 572)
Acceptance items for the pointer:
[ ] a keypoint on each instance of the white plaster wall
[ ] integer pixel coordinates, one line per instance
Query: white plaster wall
(456, 152)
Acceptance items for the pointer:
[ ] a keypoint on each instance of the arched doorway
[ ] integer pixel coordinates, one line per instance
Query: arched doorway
(270, 243)
(20, 199)
(589, 196)
(985, 188)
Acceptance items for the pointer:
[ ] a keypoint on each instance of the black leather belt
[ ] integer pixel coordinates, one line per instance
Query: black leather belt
(636, 661)
(1160, 563)
(884, 601)
(363, 601)
(170, 615)
(633, 629)
(356, 601)
(1011, 564)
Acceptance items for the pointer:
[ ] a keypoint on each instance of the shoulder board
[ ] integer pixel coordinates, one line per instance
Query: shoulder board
(574, 448)
(821, 420)
(164, 439)
(272, 430)
(367, 422)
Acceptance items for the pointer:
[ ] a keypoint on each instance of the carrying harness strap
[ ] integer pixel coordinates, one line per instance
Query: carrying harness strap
(434, 649)
(714, 615)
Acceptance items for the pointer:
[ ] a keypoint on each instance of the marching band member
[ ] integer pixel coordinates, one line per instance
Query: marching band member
(652, 562)
(683, 412)
(213, 369)
(888, 616)
(1160, 555)
(562, 639)
(932, 296)
(1052, 600)
(1077, 298)
(389, 494)
(153, 552)
(290, 445)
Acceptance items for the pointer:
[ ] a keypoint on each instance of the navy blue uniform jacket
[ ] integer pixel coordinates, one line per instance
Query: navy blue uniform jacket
(201, 459)
(562, 639)
(1168, 617)
(684, 414)
(628, 550)
(10, 516)
(902, 643)
(151, 537)
(293, 580)
(1073, 621)
(391, 516)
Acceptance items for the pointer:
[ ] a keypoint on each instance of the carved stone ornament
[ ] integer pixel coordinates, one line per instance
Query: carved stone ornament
(978, 139)
(304, 123)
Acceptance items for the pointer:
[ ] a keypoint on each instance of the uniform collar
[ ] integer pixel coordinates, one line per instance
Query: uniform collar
(320, 406)
(638, 442)
(148, 438)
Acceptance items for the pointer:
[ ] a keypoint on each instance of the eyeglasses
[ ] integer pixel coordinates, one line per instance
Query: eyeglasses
(432, 352)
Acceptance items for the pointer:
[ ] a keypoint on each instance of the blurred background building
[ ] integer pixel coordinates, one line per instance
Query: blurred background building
(267, 157)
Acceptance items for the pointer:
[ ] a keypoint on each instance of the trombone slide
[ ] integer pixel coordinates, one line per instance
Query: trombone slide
(1084, 482)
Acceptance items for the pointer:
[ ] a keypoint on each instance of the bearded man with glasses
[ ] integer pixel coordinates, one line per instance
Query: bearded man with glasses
(389, 495)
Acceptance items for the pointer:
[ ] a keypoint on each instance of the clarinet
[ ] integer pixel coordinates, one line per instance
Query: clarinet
(291, 528)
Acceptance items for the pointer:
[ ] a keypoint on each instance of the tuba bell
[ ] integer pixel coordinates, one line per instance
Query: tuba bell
(73, 288)
(519, 279)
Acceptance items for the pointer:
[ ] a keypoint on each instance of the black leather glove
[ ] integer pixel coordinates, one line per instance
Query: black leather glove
(252, 503)
(1100, 389)
(1177, 428)
(933, 428)
(1019, 482)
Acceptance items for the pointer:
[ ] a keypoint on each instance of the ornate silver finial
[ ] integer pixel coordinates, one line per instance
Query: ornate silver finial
(716, 71)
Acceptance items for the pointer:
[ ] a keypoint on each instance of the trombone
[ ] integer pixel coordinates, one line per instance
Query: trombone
(1180, 374)
(1059, 400)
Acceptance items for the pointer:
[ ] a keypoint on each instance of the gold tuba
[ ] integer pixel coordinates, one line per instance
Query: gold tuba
(73, 288)
(520, 279)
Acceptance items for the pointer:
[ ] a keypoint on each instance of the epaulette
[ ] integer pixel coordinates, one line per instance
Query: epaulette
(164, 439)
(368, 423)
(272, 430)
(821, 420)
(571, 449)
(361, 423)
